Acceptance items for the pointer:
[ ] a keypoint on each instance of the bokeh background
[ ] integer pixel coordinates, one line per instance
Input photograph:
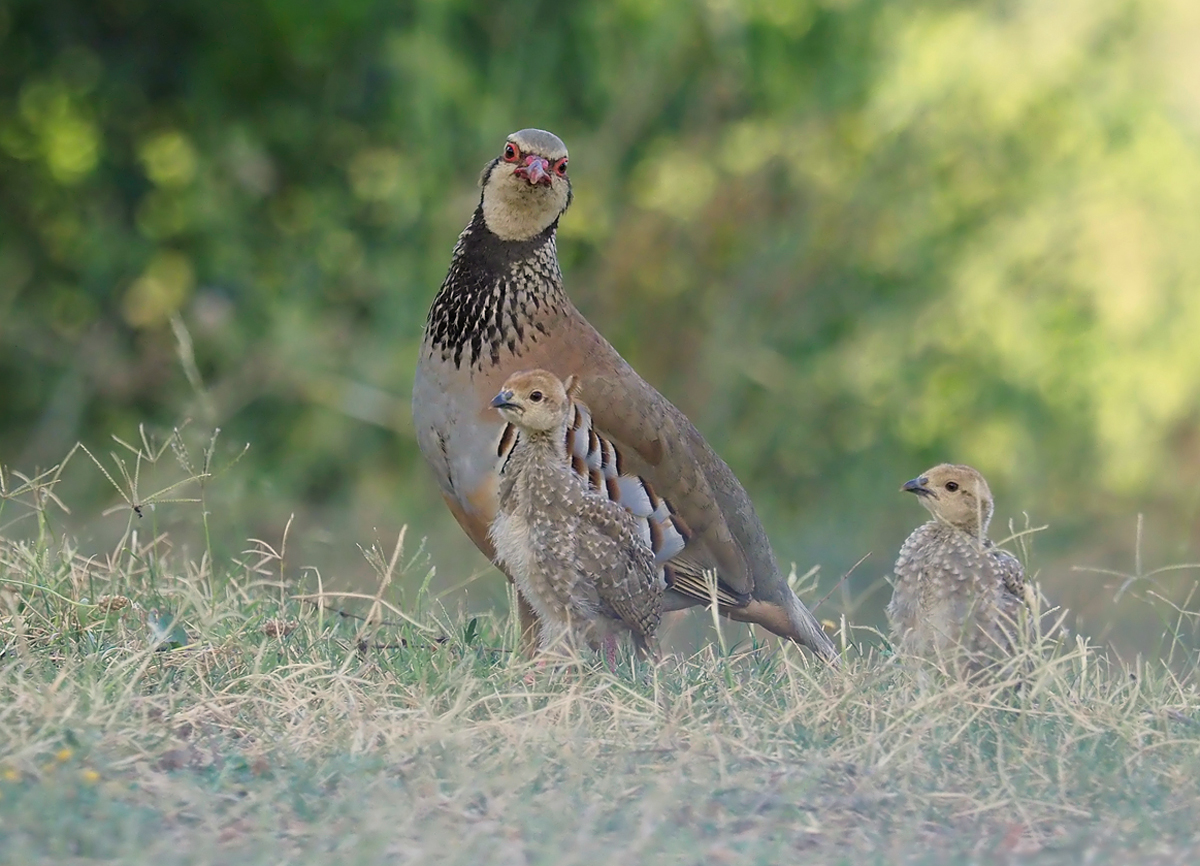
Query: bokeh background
(850, 238)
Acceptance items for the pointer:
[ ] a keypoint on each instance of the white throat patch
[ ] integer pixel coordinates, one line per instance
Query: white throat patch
(516, 211)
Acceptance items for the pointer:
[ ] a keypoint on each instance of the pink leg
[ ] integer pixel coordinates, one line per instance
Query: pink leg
(610, 651)
(530, 679)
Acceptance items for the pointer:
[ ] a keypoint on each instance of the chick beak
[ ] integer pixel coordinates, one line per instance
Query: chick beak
(917, 486)
(535, 170)
(503, 400)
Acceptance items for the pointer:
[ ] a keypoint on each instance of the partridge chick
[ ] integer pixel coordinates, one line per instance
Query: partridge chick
(955, 592)
(581, 561)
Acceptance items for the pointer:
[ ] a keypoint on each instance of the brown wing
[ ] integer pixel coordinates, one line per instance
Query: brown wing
(658, 443)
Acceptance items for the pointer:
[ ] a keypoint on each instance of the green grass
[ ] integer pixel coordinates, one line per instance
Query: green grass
(279, 729)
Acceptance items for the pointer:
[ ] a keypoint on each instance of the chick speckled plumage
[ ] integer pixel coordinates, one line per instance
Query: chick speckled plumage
(955, 594)
(583, 562)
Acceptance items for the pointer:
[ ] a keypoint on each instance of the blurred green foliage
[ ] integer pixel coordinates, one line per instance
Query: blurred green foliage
(851, 238)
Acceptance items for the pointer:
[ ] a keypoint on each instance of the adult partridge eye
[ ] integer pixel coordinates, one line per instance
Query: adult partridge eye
(560, 167)
(951, 486)
(511, 152)
(535, 397)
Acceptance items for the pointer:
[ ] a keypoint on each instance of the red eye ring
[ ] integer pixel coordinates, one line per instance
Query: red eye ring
(512, 153)
(560, 167)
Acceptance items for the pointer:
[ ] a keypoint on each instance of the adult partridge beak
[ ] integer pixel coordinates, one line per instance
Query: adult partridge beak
(917, 486)
(535, 170)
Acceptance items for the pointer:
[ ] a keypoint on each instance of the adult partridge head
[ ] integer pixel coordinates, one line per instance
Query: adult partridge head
(526, 187)
(955, 494)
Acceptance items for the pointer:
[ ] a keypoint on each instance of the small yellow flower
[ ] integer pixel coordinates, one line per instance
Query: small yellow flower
(90, 776)
(63, 755)
(11, 775)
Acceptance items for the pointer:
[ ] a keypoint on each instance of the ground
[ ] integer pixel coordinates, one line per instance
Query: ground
(153, 712)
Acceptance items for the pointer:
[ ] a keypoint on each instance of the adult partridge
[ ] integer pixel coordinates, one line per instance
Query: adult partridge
(502, 309)
(584, 563)
(955, 593)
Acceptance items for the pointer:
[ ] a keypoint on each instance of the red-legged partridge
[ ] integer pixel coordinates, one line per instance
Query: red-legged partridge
(502, 309)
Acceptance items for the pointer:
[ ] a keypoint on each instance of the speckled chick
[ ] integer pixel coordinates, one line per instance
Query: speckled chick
(954, 590)
(579, 559)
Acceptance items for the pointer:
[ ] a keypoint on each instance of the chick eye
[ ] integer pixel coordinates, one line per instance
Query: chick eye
(951, 486)
(560, 167)
(535, 397)
(512, 153)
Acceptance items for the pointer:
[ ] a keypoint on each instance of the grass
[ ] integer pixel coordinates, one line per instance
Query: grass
(288, 724)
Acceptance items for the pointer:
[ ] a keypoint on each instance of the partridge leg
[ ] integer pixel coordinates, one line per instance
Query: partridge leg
(529, 628)
(610, 652)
